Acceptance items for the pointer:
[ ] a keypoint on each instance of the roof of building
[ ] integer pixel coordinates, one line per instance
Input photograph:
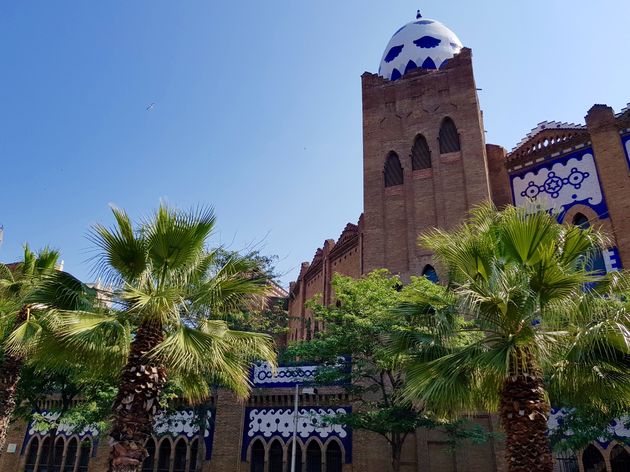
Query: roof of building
(423, 43)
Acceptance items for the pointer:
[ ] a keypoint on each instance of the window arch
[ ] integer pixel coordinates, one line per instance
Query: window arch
(257, 460)
(84, 455)
(420, 154)
(313, 457)
(276, 457)
(393, 172)
(45, 454)
(596, 263)
(592, 460)
(71, 455)
(147, 464)
(164, 456)
(619, 459)
(179, 462)
(581, 220)
(31, 455)
(60, 445)
(449, 137)
(430, 273)
(298, 456)
(333, 457)
(194, 452)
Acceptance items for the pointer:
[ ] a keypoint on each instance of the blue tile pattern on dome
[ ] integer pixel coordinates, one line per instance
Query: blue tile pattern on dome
(424, 43)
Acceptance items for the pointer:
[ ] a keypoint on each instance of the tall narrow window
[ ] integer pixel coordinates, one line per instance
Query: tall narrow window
(592, 460)
(619, 459)
(420, 154)
(430, 273)
(449, 137)
(71, 455)
(194, 452)
(275, 457)
(393, 172)
(164, 457)
(258, 457)
(31, 455)
(333, 457)
(566, 462)
(298, 456)
(84, 455)
(179, 463)
(57, 455)
(47, 447)
(147, 465)
(313, 457)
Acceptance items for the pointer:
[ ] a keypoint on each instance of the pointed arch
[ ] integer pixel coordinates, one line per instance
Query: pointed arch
(60, 446)
(84, 455)
(46, 452)
(257, 456)
(164, 455)
(596, 262)
(194, 455)
(299, 457)
(314, 456)
(71, 455)
(619, 459)
(31, 454)
(592, 460)
(179, 458)
(275, 456)
(430, 273)
(334, 456)
(149, 461)
(420, 154)
(393, 172)
(449, 136)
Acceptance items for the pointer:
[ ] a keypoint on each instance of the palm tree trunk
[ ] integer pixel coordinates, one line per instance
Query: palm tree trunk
(524, 413)
(10, 369)
(137, 401)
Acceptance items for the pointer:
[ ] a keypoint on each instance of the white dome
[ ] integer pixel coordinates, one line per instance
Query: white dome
(423, 43)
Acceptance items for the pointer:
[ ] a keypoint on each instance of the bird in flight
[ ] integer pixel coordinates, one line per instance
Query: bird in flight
(151, 107)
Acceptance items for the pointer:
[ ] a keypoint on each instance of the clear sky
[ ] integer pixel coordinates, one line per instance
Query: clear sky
(257, 106)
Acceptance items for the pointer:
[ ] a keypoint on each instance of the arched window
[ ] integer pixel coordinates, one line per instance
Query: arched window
(581, 220)
(313, 457)
(566, 462)
(393, 172)
(592, 460)
(194, 452)
(57, 455)
(71, 455)
(298, 457)
(430, 273)
(164, 457)
(31, 455)
(449, 137)
(333, 457)
(596, 264)
(258, 457)
(147, 464)
(179, 463)
(420, 154)
(47, 447)
(275, 457)
(84, 455)
(619, 459)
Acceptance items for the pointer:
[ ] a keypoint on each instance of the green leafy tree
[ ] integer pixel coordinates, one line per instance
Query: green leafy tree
(540, 328)
(168, 295)
(29, 291)
(359, 325)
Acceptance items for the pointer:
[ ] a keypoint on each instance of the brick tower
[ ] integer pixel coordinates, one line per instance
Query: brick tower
(424, 155)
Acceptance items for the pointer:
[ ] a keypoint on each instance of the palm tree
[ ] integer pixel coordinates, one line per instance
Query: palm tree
(523, 322)
(23, 304)
(168, 295)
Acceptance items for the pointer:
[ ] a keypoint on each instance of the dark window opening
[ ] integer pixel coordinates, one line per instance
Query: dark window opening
(298, 457)
(31, 455)
(71, 455)
(393, 172)
(164, 457)
(449, 137)
(84, 455)
(619, 459)
(57, 455)
(194, 452)
(430, 273)
(179, 462)
(420, 154)
(333, 457)
(275, 457)
(313, 458)
(592, 460)
(147, 465)
(258, 457)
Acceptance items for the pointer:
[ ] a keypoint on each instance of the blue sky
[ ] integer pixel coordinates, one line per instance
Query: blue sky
(257, 106)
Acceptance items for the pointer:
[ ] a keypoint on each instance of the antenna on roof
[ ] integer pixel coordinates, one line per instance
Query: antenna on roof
(418, 15)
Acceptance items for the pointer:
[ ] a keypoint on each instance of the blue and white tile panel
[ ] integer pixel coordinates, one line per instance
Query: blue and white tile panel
(271, 423)
(618, 427)
(264, 376)
(558, 184)
(185, 423)
(612, 260)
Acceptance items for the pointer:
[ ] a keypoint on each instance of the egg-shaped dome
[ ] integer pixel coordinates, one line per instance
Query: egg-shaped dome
(423, 43)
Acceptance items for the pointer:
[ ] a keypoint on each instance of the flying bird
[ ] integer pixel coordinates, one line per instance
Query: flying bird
(151, 107)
